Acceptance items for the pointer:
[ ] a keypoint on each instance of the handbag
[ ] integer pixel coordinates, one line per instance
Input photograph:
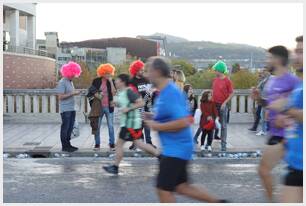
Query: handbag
(197, 116)
(76, 130)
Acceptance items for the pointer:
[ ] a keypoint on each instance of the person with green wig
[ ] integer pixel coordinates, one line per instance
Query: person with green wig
(222, 92)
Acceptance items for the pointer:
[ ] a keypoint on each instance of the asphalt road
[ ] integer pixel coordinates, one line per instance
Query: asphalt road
(82, 180)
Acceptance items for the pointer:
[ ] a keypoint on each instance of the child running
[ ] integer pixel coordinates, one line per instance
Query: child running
(207, 123)
(130, 122)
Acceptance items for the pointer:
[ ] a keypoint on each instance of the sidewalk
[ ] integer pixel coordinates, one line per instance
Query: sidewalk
(44, 138)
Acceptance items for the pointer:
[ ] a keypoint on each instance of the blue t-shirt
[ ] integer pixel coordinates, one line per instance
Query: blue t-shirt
(171, 105)
(294, 133)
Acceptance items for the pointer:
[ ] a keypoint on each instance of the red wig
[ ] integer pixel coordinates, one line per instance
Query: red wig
(104, 69)
(135, 67)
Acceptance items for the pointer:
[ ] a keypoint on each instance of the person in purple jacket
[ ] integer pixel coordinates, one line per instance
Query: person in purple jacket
(278, 86)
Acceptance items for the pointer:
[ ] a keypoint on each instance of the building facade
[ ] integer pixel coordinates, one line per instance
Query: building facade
(19, 25)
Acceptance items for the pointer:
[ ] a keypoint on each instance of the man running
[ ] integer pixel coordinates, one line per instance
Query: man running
(292, 119)
(172, 122)
(141, 85)
(278, 86)
(130, 122)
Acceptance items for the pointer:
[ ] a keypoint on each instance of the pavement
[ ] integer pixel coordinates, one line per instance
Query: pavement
(82, 180)
(38, 135)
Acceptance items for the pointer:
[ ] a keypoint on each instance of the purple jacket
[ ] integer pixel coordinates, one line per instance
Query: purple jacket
(276, 88)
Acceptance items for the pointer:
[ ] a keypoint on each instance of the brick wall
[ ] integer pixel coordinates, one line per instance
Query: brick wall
(28, 72)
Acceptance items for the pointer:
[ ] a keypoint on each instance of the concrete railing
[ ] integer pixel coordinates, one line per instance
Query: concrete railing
(46, 101)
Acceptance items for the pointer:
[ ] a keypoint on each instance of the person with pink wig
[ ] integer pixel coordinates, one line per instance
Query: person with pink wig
(66, 93)
(106, 90)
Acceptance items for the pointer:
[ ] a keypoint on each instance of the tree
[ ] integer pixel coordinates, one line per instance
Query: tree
(185, 66)
(84, 81)
(201, 80)
(244, 79)
(235, 68)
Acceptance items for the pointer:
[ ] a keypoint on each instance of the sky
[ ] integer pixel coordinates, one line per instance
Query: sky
(258, 24)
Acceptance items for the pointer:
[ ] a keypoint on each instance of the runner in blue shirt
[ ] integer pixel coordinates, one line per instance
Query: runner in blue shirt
(171, 120)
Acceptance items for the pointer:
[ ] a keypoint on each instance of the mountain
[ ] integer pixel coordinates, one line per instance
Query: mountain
(210, 50)
(171, 38)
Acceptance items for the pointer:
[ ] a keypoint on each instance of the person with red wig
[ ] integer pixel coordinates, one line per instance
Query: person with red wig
(106, 90)
(141, 85)
(66, 93)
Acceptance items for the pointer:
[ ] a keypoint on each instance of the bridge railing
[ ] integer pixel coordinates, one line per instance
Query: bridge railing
(46, 101)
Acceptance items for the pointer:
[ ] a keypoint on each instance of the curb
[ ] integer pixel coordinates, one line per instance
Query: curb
(108, 154)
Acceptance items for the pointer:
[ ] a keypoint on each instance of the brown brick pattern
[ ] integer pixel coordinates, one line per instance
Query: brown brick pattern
(28, 72)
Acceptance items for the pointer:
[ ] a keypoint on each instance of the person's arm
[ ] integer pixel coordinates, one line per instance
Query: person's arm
(172, 126)
(231, 91)
(280, 105)
(296, 114)
(113, 88)
(66, 96)
(228, 99)
(61, 92)
(139, 103)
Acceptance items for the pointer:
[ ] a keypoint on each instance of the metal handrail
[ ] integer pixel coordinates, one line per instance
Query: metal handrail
(27, 50)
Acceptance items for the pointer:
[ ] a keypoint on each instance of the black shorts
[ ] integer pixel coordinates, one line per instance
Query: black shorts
(294, 178)
(172, 172)
(128, 135)
(274, 140)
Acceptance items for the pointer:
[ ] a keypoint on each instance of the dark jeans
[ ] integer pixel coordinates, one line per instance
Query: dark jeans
(209, 139)
(68, 119)
(147, 134)
(197, 134)
(257, 118)
(223, 121)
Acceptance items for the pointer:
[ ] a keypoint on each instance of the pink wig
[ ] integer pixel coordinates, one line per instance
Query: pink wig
(71, 70)
(135, 67)
(104, 69)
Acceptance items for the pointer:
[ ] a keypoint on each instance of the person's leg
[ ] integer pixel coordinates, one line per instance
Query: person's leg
(223, 117)
(258, 117)
(72, 119)
(195, 193)
(146, 147)
(216, 132)
(195, 138)
(291, 194)
(203, 137)
(147, 134)
(210, 137)
(64, 129)
(165, 196)
(119, 151)
(110, 125)
(270, 158)
(97, 135)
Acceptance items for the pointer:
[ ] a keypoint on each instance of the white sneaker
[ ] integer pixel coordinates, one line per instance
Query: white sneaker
(209, 148)
(202, 148)
(138, 150)
(261, 133)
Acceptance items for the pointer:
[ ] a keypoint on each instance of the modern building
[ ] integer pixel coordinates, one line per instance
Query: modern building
(19, 25)
(91, 56)
(116, 55)
(24, 67)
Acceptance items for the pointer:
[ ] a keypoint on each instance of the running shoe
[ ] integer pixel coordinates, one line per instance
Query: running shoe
(261, 133)
(132, 147)
(113, 169)
(252, 129)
